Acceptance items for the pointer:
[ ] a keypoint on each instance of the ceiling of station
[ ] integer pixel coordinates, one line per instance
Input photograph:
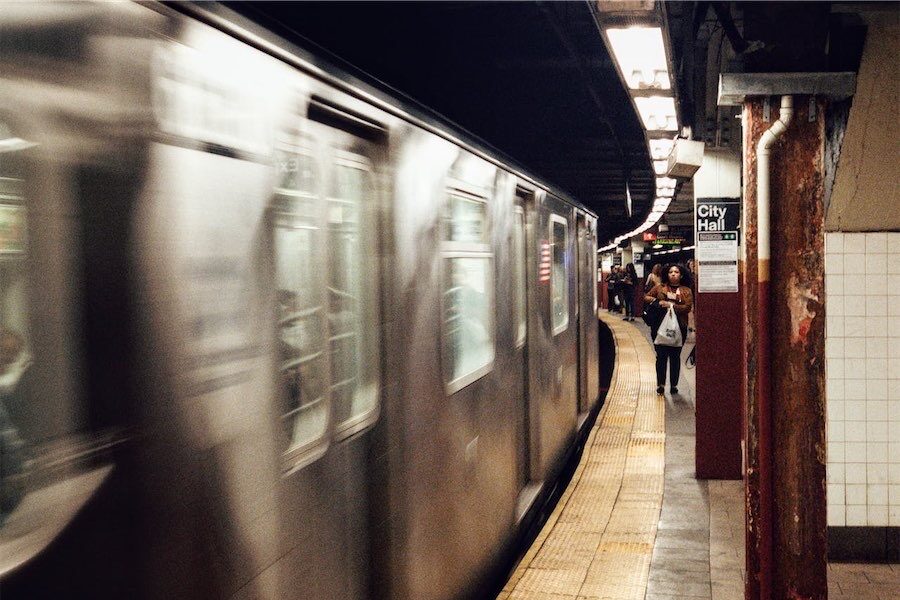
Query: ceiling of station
(532, 80)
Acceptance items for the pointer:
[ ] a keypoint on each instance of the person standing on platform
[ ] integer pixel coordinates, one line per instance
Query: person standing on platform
(671, 292)
(654, 278)
(626, 287)
(692, 318)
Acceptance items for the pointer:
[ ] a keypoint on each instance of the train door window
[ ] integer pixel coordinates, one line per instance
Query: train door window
(352, 303)
(300, 297)
(19, 425)
(559, 282)
(519, 285)
(468, 299)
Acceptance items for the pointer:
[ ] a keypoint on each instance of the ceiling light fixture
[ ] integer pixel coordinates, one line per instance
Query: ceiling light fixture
(661, 148)
(666, 183)
(641, 55)
(657, 113)
(660, 166)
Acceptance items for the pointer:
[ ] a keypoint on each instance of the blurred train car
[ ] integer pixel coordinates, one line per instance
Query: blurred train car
(266, 332)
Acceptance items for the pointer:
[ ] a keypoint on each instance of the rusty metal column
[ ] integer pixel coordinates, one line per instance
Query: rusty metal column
(753, 127)
(785, 387)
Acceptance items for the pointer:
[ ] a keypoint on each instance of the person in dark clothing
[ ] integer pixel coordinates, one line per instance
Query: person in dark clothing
(671, 292)
(612, 286)
(626, 287)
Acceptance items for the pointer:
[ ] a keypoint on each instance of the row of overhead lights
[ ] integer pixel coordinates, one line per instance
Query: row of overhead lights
(640, 56)
(672, 251)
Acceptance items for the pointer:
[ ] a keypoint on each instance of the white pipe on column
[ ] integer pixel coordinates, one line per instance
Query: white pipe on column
(763, 155)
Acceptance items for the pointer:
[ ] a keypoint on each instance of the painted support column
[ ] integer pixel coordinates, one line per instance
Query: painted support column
(718, 313)
(784, 391)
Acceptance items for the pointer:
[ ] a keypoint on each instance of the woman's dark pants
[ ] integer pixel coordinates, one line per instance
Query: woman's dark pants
(672, 355)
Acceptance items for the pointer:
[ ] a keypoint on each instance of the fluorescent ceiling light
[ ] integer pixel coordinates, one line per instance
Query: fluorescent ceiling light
(665, 183)
(657, 113)
(661, 205)
(660, 149)
(628, 198)
(665, 192)
(641, 56)
(660, 166)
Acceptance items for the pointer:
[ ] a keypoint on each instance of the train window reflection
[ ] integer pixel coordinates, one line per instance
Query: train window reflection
(465, 220)
(15, 358)
(468, 331)
(352, 314)
(300, 299)
(559, 283)
(468, 299)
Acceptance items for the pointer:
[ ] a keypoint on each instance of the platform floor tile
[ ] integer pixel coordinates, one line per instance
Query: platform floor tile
(598, 543)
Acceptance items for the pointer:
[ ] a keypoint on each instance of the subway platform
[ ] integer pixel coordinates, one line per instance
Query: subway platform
(635, 523)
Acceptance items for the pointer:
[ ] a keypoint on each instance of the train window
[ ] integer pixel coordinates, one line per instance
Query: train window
(468, 299)
(53, 454)
(353, 310)
(465, 220)
(559, 283)
(468, 327)
(15, 358)
(518, 269)
(300, 297)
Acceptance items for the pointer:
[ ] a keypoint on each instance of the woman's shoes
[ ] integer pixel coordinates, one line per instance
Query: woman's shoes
(660, 390)
(673, 390)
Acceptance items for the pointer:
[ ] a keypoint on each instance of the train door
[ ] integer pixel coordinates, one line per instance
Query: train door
(553, 350)
(584, 313)
(327, 276)
(592, 326)
(520, 297)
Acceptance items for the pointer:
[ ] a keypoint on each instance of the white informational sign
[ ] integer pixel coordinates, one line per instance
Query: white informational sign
(717, 260)
(716, 228)
(639, 269)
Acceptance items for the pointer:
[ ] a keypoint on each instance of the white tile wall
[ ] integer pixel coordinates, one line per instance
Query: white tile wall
(862, 352)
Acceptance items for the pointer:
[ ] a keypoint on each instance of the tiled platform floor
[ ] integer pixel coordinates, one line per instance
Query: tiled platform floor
(598, 541)
(626, 528)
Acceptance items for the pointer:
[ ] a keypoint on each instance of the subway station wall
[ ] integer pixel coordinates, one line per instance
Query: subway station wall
(867, 178)
(862, 283)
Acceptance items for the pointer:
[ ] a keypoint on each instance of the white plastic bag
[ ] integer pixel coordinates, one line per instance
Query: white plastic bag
(669, 333)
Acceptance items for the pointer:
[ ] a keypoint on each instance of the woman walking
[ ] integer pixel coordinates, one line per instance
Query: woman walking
(671, 292)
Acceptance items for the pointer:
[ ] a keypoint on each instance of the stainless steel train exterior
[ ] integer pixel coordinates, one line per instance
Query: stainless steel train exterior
(264, 332)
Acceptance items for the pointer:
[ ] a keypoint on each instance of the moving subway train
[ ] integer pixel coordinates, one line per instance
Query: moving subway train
(264, 332)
